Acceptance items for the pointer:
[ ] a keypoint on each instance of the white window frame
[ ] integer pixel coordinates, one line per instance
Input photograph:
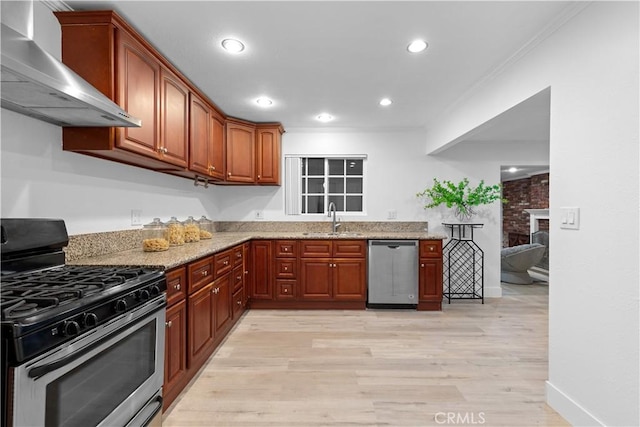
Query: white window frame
(293, 177)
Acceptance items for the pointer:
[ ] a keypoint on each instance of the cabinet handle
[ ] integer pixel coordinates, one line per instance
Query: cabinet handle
(169, 324)
(286, 269)
(229, 174)
(286, 249)
(177, 287)
(246, 272)
(258, 176)
(204, 272)
(239, 302)
(212, 168)
(422, 265)
(238, 278)
(285, 290)
(225, 262)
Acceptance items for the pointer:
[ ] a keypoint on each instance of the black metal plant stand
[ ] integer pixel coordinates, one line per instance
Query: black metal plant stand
(463, 274)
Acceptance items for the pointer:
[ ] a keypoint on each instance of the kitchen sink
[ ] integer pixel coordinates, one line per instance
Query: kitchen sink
(323, 234)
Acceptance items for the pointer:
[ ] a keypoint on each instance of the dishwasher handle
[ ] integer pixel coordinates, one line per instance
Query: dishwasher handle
(393, 244)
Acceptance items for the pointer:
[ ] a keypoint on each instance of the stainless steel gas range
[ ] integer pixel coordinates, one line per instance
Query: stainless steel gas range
(81, 345)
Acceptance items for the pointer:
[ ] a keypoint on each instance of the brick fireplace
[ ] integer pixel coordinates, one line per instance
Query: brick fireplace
(526, 193)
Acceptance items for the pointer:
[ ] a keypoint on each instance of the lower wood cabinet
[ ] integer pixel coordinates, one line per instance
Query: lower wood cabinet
(201, 325)
(175, 357)
(261, 266)
(342, 277)
(222, 311)
(430, 275)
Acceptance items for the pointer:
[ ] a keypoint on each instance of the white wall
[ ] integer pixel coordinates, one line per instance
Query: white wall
(592, 67)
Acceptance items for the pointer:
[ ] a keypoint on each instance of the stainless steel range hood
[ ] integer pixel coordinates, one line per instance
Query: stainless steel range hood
(37, 84)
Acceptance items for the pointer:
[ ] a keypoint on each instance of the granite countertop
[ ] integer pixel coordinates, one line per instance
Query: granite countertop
(179, 255)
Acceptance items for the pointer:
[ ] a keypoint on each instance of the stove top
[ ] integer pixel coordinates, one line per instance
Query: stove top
(36, 292)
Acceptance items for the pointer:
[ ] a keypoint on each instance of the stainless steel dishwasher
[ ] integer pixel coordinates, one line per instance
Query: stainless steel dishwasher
(393, 274)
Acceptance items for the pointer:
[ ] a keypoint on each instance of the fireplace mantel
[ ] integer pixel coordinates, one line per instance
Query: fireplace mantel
(534, 216)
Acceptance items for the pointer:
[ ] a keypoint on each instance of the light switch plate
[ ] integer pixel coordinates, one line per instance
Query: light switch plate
(570, 218)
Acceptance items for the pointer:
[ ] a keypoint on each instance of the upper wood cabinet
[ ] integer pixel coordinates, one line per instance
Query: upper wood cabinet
(217, 149)
(182, 132)
(206, 142)
(174, 113)
(241, 152)
(102, 48)
(199, 132)
(268, 146)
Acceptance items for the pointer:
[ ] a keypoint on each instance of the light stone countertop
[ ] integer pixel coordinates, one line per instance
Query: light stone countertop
(179, 255)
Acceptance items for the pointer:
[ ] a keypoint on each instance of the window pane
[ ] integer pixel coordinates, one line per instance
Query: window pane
(315, 166)
(354, 166)
(336, 185)
(316, 185)
(336, 166)
(339, 201)
(354, 204)
(303, 208)
(354, 185)
(316, 204)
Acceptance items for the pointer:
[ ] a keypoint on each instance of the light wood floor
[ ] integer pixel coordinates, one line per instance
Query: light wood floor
(470, 364)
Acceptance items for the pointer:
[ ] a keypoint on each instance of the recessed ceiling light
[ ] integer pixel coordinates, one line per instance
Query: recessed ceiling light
(324, 117)
(385, 101)
(232, 45)
(513, 169)
(417, 46)
(263, 101)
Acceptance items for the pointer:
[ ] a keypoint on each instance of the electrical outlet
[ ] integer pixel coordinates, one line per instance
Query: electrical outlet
(259, 215)
(136, 217)
(392, 214)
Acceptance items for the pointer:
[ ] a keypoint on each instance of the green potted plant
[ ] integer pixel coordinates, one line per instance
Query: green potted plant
(461, 197)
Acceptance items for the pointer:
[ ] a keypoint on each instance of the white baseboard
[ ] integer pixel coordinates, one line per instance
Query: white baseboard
(493, 292)
(569, 409)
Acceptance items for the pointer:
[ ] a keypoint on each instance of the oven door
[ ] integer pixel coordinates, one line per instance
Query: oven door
(110, 376)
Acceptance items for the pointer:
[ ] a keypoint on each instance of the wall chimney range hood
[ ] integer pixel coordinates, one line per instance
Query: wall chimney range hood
(36, 84)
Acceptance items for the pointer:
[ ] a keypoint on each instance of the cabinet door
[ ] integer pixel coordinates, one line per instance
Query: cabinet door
(268, 156)
(430, 278)
(262, 272)
(199, 122)
(138, 94)
(174, 119)
(217, 147)
(175, 355)
(241, 153)
(201, 332)
(315, 278)
(237, 301)
(285, 289)
(248, 277)
(349, 279)
(222, 303)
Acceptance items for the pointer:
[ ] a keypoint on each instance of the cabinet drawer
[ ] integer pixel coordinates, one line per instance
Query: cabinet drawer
(200, 273)
(237, 256)
(286, 248)
(237, 278)
(349, 248)
(285, 289)
(223, 262)
(315, 248)
(430, 248)
(176, 285)
(286, 268)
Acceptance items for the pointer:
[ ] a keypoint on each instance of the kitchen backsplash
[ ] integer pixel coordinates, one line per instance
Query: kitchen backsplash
(95, 244)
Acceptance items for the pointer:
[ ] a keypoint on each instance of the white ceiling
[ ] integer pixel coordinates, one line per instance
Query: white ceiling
(342, 57)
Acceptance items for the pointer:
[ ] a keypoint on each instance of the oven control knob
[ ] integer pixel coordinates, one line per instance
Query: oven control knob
(120, 306)
(143, 295)
(155, 290)
(90, 320)
(70, 328)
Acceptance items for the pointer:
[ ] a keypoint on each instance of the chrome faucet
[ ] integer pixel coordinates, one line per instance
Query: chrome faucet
(332, 208)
